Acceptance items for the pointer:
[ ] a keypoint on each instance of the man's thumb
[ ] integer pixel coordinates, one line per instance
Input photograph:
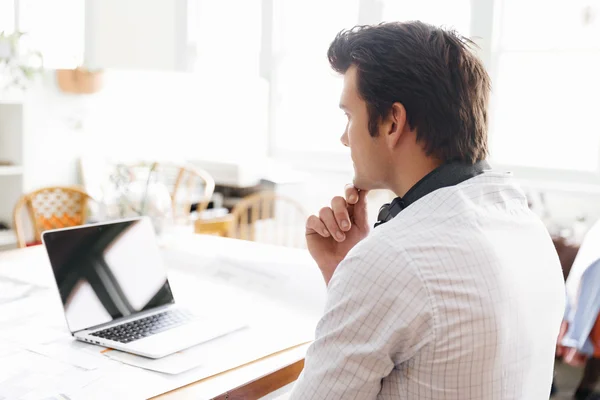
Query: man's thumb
(360, 209)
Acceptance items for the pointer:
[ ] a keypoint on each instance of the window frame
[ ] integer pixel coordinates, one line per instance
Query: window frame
(486, 18)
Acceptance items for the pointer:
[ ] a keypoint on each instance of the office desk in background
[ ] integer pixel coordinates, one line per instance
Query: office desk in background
(289, 291)
(239, 177)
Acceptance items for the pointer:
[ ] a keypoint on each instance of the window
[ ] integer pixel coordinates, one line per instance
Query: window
(543, 57)
(546, 87)
(56, 29)
(305, 93)
(228, 37)
(305, 90)
(7, 16)
(454, 14)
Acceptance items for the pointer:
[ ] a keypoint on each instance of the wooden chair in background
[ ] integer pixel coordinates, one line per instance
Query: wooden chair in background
(49, 208)
(186, 183)
(218, 226)
(269, 218)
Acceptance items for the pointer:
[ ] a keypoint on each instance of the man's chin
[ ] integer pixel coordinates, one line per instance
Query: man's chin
(365, 184)
(360, 184)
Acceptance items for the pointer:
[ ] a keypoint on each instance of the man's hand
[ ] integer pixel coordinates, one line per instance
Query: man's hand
(337, 229)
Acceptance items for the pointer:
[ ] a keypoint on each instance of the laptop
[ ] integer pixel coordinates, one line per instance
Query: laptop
(115, 292)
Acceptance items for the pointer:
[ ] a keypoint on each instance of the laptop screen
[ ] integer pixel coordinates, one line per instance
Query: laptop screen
(107, 271)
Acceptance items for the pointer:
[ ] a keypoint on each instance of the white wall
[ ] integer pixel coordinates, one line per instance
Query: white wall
(141, 116)
(180, 116)
(51, 142)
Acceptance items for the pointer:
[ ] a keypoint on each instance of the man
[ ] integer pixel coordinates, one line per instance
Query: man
(579, 338)
(457, 293)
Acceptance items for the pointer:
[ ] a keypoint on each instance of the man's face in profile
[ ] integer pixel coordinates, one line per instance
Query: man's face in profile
(365, 150)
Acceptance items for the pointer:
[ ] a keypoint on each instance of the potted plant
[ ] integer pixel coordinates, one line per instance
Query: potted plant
(131, 195)
(19, 65)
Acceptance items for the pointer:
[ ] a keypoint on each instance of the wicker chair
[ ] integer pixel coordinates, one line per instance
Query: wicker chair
(50, 208)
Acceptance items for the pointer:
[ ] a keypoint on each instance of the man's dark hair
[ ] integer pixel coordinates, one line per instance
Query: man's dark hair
(443, 86)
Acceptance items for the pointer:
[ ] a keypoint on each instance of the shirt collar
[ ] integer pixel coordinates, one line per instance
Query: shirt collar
(448, 174)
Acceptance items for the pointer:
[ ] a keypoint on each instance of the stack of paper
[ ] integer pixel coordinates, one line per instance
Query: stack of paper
(14, 290)
(25, 375)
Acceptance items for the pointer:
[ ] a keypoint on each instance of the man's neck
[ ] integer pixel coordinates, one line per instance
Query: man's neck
(407, 176)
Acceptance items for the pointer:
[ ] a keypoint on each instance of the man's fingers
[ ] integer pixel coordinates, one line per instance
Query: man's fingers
(327, 217)
(351, 194)
(359, 211)
(315, 225)
(340, 211)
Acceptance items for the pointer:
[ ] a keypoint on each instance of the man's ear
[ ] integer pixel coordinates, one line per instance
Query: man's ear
(396, 124)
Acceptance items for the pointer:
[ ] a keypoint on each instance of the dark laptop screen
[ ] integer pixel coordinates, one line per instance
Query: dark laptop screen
(107, 271)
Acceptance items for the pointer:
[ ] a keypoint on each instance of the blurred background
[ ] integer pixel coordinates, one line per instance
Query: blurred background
(204, 114)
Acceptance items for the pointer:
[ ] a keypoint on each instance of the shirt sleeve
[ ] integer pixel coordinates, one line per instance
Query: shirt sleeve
(377, 315)
(583, 316)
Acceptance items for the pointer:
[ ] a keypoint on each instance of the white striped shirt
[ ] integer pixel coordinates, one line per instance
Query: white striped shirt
(460, 296)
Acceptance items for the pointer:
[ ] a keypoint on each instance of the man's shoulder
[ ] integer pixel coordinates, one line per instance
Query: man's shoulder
(382, 243)
(465, 203)
(376, 254)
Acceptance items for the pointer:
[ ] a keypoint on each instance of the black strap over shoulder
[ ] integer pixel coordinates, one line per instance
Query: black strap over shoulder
(445, 175)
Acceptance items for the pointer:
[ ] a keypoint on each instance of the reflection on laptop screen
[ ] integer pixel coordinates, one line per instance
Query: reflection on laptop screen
(108, 271)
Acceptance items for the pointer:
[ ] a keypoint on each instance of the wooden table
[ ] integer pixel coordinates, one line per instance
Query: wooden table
(249, 381)
(253, 381)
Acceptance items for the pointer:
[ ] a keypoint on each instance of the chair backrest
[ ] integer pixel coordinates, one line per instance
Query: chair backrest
(186, 183)
(50, 208)
(268, 217)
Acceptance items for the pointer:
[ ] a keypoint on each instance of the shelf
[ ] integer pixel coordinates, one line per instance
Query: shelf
(10, 99)
(7, 170)
(7, 238)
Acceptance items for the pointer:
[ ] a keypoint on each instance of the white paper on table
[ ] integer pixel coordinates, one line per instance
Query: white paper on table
(26, 376)
(72, 352)
(42, 308)
(298, 286)
(216, 299)
(11, 290)
(237, 282)
(208, 298)
(17, 311)
(221, 354)
(35, 270)
(29, 334)
(123, 381)
(8, 347)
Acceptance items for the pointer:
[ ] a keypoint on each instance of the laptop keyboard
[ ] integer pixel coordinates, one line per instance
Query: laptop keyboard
(141, 328)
